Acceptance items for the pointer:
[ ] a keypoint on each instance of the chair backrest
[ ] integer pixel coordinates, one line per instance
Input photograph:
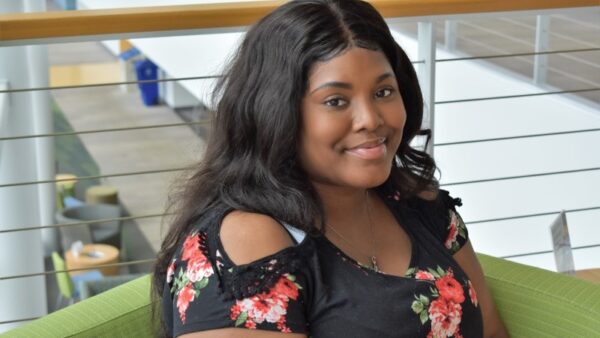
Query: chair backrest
(531, 301)
(64, 281)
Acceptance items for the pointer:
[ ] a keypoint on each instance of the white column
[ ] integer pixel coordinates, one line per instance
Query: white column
(426, 73)
(24, 160)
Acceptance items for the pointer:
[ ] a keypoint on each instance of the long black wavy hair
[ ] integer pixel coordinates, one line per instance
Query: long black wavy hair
(251, 161)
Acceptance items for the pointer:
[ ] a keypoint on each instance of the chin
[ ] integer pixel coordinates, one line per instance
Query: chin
(370, 180)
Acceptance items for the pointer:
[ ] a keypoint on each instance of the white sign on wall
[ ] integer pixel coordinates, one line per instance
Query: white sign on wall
(561, 242)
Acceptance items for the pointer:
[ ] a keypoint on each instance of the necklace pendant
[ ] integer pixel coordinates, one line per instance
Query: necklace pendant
(374, 266)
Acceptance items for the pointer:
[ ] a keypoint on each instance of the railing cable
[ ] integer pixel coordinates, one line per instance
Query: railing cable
(550, 251)
(107, 84)
(96, 267)
(70, 133)
(518, 96)
(517, 137)
(531, 215)
(467, 58)
(94, 221)
(522, 176)
(82, 178)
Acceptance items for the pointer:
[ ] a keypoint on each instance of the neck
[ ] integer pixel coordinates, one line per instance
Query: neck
(342, 205)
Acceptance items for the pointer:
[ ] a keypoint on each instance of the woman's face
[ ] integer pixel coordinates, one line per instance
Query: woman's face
(352, 116)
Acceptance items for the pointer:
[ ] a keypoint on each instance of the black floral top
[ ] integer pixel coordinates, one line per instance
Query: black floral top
(314, 288)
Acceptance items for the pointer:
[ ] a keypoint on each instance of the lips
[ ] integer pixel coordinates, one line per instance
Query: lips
(369, 150)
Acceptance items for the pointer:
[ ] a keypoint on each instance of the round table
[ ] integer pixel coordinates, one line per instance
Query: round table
(94, 255)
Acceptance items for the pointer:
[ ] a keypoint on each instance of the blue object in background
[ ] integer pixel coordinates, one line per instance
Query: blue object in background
(72, 202)
(130, 54)
(66, 4)
(147, 70)
(91, 275)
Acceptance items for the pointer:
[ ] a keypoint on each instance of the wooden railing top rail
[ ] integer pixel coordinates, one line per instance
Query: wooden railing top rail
(44, 25)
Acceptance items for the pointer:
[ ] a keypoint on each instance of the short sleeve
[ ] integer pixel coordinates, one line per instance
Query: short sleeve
(204, 290)
(443, 220)
(452, 229)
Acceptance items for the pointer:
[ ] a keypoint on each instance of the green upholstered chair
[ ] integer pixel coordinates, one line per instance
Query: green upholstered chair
(69, 286)
(533, 303)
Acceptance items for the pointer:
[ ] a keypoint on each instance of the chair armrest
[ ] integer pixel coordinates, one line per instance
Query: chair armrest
(124, 311)
(538, 303)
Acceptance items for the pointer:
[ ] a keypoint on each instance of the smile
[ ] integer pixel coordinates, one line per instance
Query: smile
(371, 150)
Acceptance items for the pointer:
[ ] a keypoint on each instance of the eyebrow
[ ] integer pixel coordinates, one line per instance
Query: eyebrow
(345, 85)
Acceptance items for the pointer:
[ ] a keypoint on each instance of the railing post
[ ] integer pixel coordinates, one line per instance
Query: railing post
(450, 34)
(542, 41)
(426, 72)
(24, 160)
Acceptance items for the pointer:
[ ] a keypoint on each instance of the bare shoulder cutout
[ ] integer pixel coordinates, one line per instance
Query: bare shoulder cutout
(247, 237)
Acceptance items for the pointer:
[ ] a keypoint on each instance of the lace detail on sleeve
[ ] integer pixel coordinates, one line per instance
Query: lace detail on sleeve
(448, 201)
(243, 281)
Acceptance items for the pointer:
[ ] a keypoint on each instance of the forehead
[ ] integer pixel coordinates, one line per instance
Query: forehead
(354, 64)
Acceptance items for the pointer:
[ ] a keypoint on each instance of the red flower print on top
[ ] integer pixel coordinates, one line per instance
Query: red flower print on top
(270, 307)
(450, 289)
(170, 272)
(194, 277)
(457, 232)
(445, 317)
(422, 274)
(190, 246)
(186, 295)
(472, 294)
(452, 231)
(443, 308)
(198, 267)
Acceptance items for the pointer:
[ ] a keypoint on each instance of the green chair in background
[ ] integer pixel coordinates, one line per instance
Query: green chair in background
(69, 286)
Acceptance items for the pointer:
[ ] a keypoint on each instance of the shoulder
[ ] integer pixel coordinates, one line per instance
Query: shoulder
(247, 237)
(428, 195)
(436, 209)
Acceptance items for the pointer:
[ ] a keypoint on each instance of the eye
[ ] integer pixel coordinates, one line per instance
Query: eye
(385, 92)
(336, 102)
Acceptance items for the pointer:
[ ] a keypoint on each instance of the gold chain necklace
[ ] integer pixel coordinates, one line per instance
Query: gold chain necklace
(372, 256)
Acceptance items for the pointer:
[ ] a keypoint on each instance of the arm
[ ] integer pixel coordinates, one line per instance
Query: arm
(241, 333)
(493, 327)
(246, 238)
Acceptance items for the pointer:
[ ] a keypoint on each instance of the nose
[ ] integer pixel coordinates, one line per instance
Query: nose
(367, 117)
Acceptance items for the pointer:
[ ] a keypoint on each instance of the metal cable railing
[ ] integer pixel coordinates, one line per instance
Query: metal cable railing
(530, 215)
(95, 267)
(521, 176)
(106, 130)
(487, 57)
(119, 83)
(92, 221)
(517, 137)
(83, 178)
(591, 246)
(108, 84)
(518, 96)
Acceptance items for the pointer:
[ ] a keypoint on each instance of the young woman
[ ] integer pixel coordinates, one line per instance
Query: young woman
(311, 215)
